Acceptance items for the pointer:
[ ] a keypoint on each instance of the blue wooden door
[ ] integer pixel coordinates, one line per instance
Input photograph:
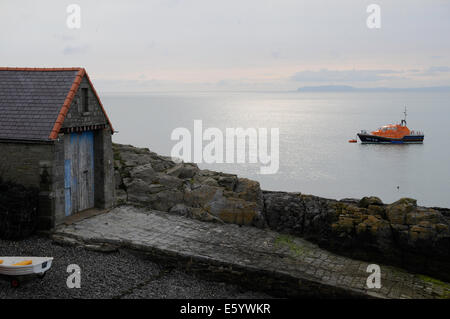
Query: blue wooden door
(79, 172)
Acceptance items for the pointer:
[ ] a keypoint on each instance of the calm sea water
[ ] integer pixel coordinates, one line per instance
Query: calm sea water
(315, 156)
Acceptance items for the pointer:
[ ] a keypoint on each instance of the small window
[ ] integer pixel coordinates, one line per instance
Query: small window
(85, 99)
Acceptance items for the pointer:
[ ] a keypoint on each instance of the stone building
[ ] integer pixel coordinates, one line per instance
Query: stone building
(55, 135)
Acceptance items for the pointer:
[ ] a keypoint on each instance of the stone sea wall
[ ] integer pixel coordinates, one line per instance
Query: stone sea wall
(402, 233)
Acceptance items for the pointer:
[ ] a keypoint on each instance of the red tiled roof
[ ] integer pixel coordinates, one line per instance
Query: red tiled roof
(81, 72)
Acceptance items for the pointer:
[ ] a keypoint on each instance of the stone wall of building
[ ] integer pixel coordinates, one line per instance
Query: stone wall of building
(31, 165)
(18, 210)
(58, 195)
(22, 162)
(104, 169)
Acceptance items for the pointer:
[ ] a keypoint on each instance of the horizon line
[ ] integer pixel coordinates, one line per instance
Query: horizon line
(304, 89)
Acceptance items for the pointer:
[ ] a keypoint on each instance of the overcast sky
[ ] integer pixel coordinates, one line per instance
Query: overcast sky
(164, 45)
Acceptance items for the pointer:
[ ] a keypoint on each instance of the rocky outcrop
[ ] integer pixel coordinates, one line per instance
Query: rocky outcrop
(145, 178)
(402, 233)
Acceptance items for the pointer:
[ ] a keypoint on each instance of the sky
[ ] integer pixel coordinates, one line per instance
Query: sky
(262, 45)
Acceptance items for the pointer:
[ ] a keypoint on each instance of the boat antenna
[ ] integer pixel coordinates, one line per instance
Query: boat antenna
(404, 120)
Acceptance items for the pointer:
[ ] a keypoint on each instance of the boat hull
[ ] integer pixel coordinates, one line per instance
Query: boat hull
(39, 265)
(375, 139)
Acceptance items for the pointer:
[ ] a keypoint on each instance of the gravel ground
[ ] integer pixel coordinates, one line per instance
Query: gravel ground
(109, 275)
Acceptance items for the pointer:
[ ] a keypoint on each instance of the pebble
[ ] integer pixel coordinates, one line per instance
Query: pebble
(118, 274)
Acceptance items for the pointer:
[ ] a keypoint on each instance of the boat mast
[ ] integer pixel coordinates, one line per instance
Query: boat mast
(404, 120)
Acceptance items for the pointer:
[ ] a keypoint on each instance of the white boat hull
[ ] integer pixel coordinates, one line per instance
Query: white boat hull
(39, 265)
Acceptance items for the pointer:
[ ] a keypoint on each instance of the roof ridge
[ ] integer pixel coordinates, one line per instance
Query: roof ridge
(68, 101)
(39, 69)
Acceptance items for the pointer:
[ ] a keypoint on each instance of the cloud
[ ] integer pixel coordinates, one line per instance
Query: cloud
(434, 70)
(75, 49)
(275, 54)
(64, 37)
(326, 75)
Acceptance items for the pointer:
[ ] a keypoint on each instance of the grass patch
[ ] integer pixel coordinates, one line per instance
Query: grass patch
(287, 240)
(435, 282)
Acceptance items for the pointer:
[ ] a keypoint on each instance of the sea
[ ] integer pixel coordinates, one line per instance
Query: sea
(315, 156)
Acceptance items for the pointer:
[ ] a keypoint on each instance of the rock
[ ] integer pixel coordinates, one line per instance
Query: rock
(378, 227)
(200, 196)
(156, 188)
(419, 232)
(239, 212)
(189, 170)
(117, 179)
(207, 172)
(442, 228)
(102, 247)
(138, 191)
(396, 212)
(345, 224)
(160, 165)
(419, 215)
(229, 182)
(249, 190)
(212, 200)
(350, 200)
(155, 196)
(211, 182)
(376, 210)
(165, 200)
(118, 164)
(406, 201)
(65, 240)
(232, 210)
(175, 171)
(366, 201)
(297, 214)
(131, 157)
(203, 215)
(181, 209)
(169, 181)
(183, 170)
(121, 197)
(145, 173)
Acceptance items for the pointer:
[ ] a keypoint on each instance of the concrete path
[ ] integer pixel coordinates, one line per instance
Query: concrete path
(261, 259)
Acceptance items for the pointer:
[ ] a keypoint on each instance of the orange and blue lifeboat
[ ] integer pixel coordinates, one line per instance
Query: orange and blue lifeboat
(392, 134)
